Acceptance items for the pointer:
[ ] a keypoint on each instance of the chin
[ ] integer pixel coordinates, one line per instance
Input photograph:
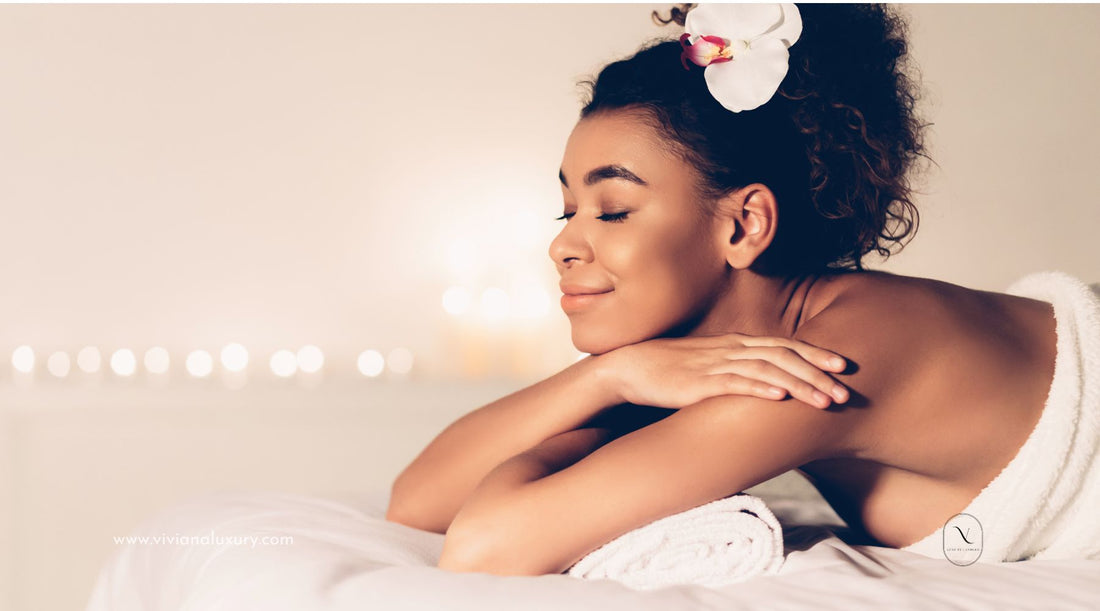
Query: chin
(601, 342)
(591, 344)
(594, 350)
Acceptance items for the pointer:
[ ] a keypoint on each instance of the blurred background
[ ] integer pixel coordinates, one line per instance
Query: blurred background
(280, 247)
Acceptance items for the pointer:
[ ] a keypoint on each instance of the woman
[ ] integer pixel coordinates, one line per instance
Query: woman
(717, 209)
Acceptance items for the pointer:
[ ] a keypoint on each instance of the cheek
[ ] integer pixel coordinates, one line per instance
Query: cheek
(668, 281)
(660, 280)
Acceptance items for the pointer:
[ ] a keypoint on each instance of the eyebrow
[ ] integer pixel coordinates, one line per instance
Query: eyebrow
(605, 173)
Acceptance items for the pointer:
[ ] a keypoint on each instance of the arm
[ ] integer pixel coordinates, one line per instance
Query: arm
(531, 521)
(606, 391)
(430, 491)
(550, 456)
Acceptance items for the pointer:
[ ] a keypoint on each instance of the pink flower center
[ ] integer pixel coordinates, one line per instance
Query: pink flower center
(705, 51)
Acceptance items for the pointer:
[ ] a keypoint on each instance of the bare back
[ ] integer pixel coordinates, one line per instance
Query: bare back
(948, 384)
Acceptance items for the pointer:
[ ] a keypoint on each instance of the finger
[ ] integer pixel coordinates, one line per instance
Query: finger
(797, 358)
(821, 358)
(737, 339)
(825, 359)
(794, 363)
(734, 384)
(774, 375)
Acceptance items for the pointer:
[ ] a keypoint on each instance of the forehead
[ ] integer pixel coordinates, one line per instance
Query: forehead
(621, 138)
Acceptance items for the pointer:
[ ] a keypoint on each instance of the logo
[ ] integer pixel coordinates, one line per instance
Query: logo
(962, 539)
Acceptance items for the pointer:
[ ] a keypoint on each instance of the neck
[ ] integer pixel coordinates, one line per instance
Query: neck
(757, 305)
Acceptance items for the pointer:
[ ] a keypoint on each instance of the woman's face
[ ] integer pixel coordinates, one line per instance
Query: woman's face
(635, 233)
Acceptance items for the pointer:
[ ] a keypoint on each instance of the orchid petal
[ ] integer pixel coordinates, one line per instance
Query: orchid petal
(732, 21)
(790, 28)
(752, 79)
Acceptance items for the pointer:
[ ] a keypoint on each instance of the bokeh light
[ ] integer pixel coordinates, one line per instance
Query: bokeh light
(123, 362)
(59, 364)
(530, 301)
(22, 358)
(284, 363)
(199, 363)
(234, 357)
(310, 359)
(156, 360)
(88, 359)
(457, 300)
(371, 363)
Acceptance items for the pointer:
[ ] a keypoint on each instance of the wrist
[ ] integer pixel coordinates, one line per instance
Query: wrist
(604, 375)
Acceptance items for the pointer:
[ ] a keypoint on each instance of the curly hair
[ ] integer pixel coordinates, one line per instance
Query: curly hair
(837, 143)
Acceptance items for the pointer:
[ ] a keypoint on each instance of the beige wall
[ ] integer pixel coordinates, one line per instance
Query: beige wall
(191, 175)
(1011, 92)
(278, 175)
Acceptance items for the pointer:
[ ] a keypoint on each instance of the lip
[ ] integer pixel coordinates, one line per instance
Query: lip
(577, 298)
(580, 289)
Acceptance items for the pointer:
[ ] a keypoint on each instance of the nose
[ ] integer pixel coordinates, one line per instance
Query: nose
(570, 246)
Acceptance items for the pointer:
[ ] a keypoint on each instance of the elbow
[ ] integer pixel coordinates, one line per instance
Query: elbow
(396, 509)
(479, 547)
(469, 547)
(461, 558)
(399, 515)
(404, 509)
(464, 548)
(469, 552)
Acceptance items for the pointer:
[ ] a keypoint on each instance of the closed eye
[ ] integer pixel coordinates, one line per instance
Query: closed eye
(616, 217)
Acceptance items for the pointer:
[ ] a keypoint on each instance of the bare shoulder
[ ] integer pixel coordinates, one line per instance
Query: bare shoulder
(922, 353)
(917, 322)
(900, 336)
(872, 316)
(904, 318)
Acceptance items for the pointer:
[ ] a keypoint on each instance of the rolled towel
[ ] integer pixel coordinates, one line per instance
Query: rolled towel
(1045, 503)
(716, 544)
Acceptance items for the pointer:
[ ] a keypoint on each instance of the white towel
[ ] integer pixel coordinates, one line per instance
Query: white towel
(1045, 504)
(716, 544)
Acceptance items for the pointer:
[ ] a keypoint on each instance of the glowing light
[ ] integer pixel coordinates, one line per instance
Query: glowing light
(495, 304)
(310, 359)
(23, 359)
(156, 360)
(371, 363)
(199, 363)
(234, 357)
(88, 359)
(462, 258)
(531, 301)
(284, 363)
(457, 300)
(400, 360)
(123, 362)
(58, 364)
(526, 226)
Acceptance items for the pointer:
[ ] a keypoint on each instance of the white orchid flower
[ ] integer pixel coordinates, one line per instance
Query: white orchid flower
(743, 47)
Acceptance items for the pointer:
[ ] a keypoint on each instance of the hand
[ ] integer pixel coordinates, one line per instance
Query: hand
(677, 372)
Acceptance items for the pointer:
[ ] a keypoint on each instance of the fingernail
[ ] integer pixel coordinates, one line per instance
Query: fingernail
(776, 392)
(821, 398)
(836, 361)
(840, 393)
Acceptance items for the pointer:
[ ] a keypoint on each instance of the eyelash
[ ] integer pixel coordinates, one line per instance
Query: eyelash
(616, 217)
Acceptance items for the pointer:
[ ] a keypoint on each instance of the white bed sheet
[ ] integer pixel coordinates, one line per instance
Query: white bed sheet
(346, 556)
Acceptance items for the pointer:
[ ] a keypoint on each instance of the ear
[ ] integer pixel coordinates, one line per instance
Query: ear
(752, 217)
